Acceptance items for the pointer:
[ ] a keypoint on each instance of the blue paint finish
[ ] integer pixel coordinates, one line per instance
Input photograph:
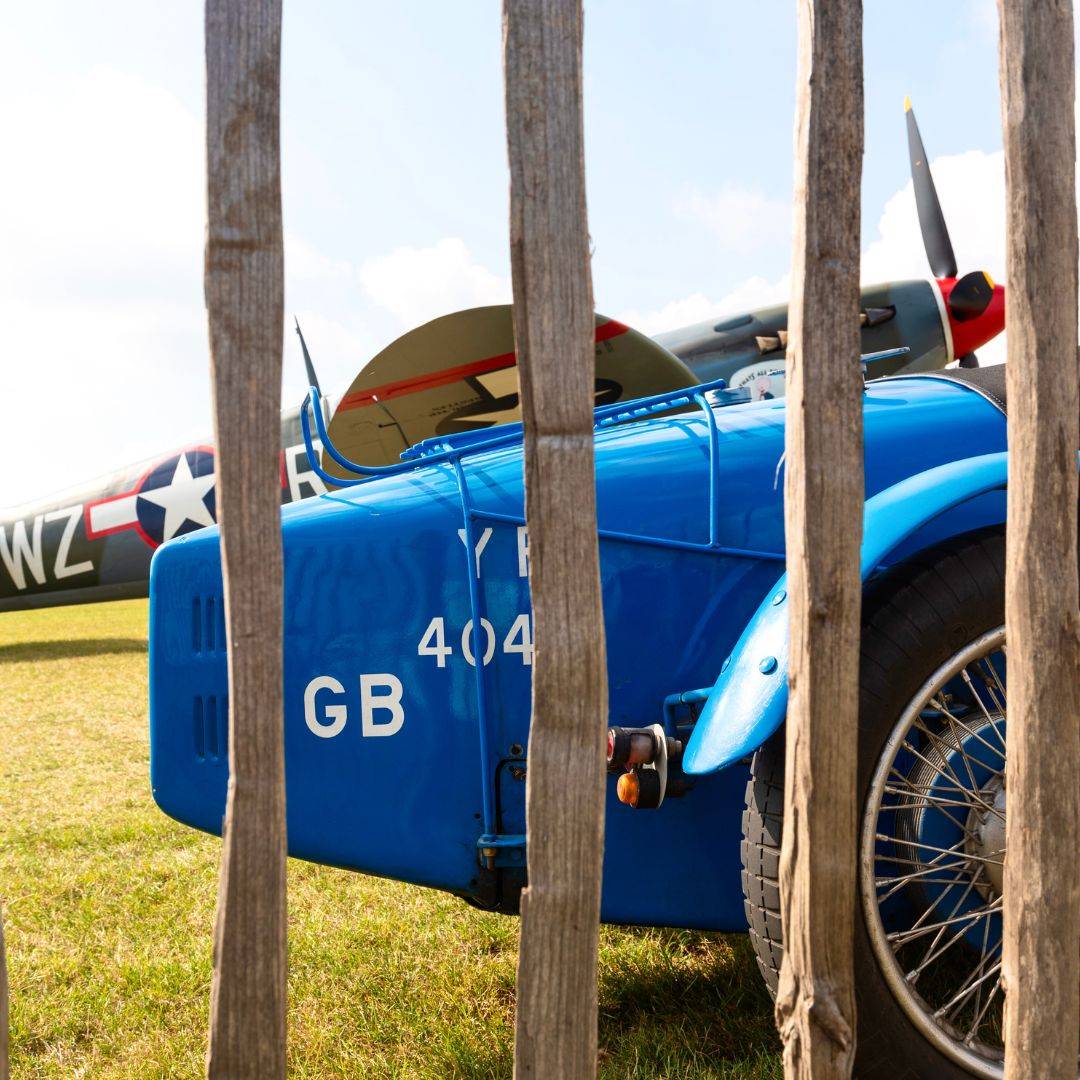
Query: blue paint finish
(749, 699)
(691, 523)
(743, 711)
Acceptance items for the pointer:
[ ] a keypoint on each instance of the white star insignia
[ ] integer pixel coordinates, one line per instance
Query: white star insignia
(182, 498)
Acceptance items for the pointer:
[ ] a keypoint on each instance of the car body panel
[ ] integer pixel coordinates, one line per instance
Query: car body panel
(691, 540)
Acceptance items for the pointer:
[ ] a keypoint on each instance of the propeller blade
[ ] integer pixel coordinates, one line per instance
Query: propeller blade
(935, 235)
(971, 296)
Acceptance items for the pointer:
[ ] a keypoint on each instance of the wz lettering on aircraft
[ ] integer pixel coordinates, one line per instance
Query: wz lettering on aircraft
(96, 543)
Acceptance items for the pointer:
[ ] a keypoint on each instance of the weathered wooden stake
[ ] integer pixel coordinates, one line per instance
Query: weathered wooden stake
(244, 301)
(823, 498)
(553, 329)
(1041, 969)
(4, 1066)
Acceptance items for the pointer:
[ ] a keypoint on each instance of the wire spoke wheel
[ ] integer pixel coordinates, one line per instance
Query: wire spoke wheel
(932, 777)
(932, 856)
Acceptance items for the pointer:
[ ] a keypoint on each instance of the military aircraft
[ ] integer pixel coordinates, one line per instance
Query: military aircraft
(458, 373)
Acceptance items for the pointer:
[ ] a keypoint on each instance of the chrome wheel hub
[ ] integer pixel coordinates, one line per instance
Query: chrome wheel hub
(986, 838)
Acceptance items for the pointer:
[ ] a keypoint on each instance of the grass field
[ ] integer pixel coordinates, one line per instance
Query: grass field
(109, 909)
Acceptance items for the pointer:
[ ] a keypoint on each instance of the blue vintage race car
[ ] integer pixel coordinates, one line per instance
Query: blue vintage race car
(407, 678)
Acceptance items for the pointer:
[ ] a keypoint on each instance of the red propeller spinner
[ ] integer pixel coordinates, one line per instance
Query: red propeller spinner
(973, 304)
(976, 310)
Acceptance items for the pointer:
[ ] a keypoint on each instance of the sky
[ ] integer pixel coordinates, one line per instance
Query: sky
(395, 187)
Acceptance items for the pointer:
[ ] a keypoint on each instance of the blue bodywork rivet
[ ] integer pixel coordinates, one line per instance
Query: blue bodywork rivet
(768, 665)
(779, 598)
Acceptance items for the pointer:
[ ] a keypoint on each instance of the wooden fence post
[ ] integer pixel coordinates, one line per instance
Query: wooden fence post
(553, 329)
(245, 305)
(823, 499)
(1040, 966)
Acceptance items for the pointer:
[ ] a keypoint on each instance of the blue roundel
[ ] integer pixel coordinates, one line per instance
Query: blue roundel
(177, 496)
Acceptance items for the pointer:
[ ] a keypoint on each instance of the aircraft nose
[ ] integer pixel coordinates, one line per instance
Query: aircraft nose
(975, 308)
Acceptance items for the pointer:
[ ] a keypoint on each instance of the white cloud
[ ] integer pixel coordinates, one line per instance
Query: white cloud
(102, 213)
(689, 309)
(971, 188)
(304, 264)
(109, 172)
(418, 284)
(755, 292)
(101, 229)
(745, 221)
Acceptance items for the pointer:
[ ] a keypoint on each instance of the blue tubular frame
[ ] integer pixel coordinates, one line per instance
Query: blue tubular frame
(438, 451)
(434, 451)
(475, 605)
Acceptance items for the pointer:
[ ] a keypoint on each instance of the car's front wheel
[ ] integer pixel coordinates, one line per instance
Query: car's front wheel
(931, 790)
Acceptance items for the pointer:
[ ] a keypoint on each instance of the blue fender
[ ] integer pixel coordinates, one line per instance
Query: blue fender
(749, 700)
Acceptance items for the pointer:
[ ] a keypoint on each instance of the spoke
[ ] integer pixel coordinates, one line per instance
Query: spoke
(938, 742)
(902, 883)
(973, 795)
(954, 850)
(978, 996)
(902, 937)
(915, 874)
(986, 663)
(931, 804)
(946, 851)
(931, 956)
(973, 1033)
(956, 747)
(928, 868)
(921, 878)
(990, 719)
(993, 683)
(925, 789)
(955, 908)
(932, 792)
(966, 991)
(931, 908)
(931, 864)
(973, 733)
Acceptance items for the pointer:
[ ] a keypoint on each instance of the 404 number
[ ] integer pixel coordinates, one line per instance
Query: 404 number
(517, 640)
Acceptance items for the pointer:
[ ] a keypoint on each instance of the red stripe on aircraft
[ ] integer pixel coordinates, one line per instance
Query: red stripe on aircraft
(361, 398)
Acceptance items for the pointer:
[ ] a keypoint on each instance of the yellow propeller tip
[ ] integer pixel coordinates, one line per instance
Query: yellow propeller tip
(907, 104)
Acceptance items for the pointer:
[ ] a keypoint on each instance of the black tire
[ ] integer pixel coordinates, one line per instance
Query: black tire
(918, 616)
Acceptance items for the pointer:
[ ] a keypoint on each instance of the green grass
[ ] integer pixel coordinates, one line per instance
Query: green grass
(109, 909)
